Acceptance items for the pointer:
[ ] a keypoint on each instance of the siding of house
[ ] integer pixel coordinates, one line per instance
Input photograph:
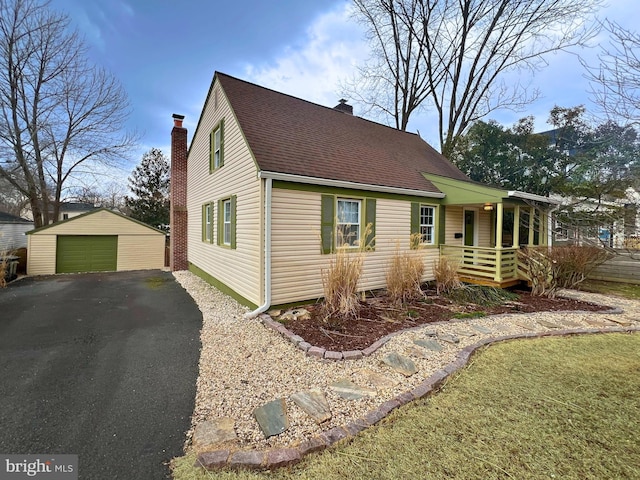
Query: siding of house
(239, 269)
(484, 228)
(139, 247)
(453, 225)
(297, 261)
(12, 235)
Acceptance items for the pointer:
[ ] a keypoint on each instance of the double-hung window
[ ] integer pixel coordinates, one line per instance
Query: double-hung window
(207, 222)
(226, 227)
(423, 224)
(216, 147)
(427, 226)
(226, 223)
(348, 222)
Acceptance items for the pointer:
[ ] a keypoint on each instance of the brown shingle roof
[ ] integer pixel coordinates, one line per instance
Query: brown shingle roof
(294, 136)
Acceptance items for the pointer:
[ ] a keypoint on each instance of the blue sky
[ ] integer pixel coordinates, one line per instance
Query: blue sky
(165, 53)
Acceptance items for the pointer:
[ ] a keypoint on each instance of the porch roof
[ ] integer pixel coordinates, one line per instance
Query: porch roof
(459, 192)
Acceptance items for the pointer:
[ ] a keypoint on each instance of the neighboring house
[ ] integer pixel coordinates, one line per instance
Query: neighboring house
(97, 241)
(614, 224)
(73, 209)
(12, 231)
(271, 185)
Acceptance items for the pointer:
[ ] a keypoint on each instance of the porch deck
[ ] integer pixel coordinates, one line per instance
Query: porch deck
(495, 267)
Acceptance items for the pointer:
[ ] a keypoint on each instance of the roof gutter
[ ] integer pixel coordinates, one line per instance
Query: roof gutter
(326, 182)
(531, 196)
(267, 253)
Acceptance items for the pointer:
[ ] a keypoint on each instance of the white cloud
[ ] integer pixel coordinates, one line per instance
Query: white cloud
(332, 46)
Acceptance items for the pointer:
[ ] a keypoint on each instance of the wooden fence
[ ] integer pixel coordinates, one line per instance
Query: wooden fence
(624, 267)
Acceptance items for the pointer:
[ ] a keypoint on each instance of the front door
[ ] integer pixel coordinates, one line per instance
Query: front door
(469, 227)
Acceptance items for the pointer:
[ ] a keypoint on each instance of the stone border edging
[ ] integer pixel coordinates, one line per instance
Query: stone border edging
(282, 457)
(323, 354)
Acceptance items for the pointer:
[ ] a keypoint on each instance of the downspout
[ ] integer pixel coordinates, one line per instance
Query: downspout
(267, 253)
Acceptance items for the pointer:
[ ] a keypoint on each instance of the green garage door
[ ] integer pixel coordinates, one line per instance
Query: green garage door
(86, 253)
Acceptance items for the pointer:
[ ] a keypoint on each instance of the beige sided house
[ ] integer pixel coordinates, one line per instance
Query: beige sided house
(97, 241)
(271, 185)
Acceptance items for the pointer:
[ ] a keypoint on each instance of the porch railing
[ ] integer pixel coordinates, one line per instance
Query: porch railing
(493, 264)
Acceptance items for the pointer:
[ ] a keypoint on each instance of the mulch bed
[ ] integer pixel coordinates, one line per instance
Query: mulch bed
(378, 318)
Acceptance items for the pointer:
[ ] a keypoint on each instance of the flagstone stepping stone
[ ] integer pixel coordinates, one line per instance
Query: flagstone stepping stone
(429, 344)
(597, 322)
(417, 352)
(272, 417)
(525, 325)
(548, 324)
(213, 433)
(447, 337)
(429, 333)
(621, 321)
(481, 329)
(348, 390)
(570, 323)
(378, 380)
(464, 333)
(313, 403)
(400, 363)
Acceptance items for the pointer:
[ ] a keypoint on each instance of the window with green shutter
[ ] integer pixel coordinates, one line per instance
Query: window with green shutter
(423, 224)
(216, 147)
(226, 228)
(347, 222)
(207, 222)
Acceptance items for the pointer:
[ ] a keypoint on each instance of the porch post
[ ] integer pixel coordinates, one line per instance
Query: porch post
(532, 217)
(516, 226)
(543, 229)
(499, 214)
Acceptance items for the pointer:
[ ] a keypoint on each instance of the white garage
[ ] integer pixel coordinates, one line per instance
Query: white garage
(97, 241)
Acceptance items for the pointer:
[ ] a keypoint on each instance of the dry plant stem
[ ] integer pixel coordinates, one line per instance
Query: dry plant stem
(445, 271)
(404, 274)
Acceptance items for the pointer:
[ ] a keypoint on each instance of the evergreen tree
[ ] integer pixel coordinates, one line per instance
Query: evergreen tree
(149, 184)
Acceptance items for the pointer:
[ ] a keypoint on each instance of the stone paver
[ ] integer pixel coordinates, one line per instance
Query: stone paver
(482, 329)
(429, 344)
(272, 417)
(313, 403)
(449, 338)
(348, 390)
(548, 324)
(400, 364)
(381, 382)
(213, 433)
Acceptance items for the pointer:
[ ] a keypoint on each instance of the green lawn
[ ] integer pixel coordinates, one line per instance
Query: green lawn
(550, 408)
(627, 290)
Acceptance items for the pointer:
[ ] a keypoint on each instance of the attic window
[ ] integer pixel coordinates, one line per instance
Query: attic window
(216, 147)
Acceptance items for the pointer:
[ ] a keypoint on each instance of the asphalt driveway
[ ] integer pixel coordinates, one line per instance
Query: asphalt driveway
(99, 365)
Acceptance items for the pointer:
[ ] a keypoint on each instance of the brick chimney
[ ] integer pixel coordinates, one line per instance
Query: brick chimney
(343, 106)
(178, 252)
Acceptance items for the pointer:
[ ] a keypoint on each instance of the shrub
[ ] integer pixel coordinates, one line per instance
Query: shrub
(404, 275)
(552, 268)
(340, 281)
(445, 271)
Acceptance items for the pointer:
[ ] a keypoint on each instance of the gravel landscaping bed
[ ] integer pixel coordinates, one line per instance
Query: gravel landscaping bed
(244, 365)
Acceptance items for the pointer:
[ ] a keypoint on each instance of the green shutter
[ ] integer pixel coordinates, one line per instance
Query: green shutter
(327, 222)
(220, 224)
(233, 221)
(441, 224)
(415, 222)
(370, 219)
(211, 143)
(222, 147)
(204, 223)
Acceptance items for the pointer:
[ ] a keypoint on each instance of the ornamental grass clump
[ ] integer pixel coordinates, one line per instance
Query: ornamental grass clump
(340, 280)
(404, 275)
(445, 271)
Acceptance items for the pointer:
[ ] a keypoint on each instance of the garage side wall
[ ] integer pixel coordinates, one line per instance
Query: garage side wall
(41, 255)
(139, 252)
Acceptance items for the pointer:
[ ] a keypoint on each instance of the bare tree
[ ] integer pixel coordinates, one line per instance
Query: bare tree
(463, 57)
(60, 115)
(615, 82)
